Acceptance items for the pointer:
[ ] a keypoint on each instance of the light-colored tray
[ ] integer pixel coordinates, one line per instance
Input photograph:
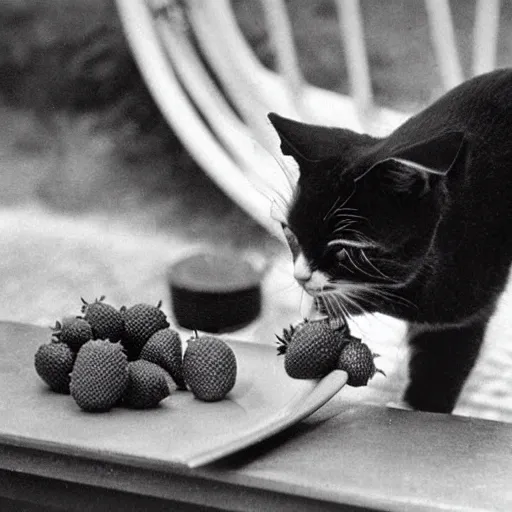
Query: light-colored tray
(182, 430)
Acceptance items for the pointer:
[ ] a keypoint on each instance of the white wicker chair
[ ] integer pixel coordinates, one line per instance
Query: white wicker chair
(240, 151)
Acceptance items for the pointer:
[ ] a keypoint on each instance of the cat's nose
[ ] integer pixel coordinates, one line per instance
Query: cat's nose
(302, 280)
(301, 271)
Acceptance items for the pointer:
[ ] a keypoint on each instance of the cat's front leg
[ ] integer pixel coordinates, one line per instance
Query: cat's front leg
(441, 360)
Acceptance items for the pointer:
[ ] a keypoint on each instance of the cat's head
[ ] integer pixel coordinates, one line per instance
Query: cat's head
(365, 211)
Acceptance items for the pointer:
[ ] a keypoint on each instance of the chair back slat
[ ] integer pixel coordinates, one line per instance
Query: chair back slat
(242, 78)
(356, 55)
(195, 79)
(232, 133)
(287, 61)
(184, 118)
(443, 42)
(485, 36)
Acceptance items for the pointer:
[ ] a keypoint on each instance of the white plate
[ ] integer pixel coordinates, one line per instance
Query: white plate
(182, 430)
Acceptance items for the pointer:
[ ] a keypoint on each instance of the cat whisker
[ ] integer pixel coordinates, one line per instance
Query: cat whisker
(325, 296)
(356, 233)
(357, 267)
(339, 290)
(352, 297)
(386, 294)
(342, 227)
(339, 303)
(342, 265)
(362, 270)
(340, 216)
(336, 312)
(341, 313)
(364, 294)
(404, 269)
(352, 213)
(371, 265)
(346, 209)
(367, 300)
(344, 221)
(332, 209)
(344, 215)
(353, 301)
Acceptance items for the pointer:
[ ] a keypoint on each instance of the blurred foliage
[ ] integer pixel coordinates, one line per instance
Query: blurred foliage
(72, 56)
(81, 131)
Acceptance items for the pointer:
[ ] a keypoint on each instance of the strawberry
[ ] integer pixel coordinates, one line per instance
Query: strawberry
(105, 320)
(73, 331)
(54, 362)
(147, 385)
(311, 349)
(209, 368)
(99, 376)
(287, 336)
(164, 349)
(141, 321)
(356, 359)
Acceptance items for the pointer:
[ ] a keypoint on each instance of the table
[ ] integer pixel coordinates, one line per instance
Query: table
(343, 457)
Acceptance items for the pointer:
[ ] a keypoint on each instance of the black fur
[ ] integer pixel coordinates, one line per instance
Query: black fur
(435, 196)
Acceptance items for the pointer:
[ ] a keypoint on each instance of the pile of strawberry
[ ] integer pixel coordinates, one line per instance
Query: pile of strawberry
(312, 349)
(130, 357)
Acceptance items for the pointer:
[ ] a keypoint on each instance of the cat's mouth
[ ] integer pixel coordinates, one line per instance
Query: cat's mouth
(328, 288)
(315, 291)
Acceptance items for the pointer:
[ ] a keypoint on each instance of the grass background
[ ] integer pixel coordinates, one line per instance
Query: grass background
(80, 132)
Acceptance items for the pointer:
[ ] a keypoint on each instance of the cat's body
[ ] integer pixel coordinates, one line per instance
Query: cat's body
(415, 225)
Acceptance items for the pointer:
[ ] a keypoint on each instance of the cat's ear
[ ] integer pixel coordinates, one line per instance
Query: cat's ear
(310, 144)
(416, 168)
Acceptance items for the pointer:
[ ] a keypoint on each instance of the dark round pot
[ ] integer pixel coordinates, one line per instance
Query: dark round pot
(215, 292)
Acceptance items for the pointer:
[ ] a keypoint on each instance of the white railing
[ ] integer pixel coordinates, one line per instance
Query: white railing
(238, 149)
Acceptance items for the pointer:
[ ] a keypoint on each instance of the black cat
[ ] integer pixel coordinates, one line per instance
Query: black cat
(416, 225)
